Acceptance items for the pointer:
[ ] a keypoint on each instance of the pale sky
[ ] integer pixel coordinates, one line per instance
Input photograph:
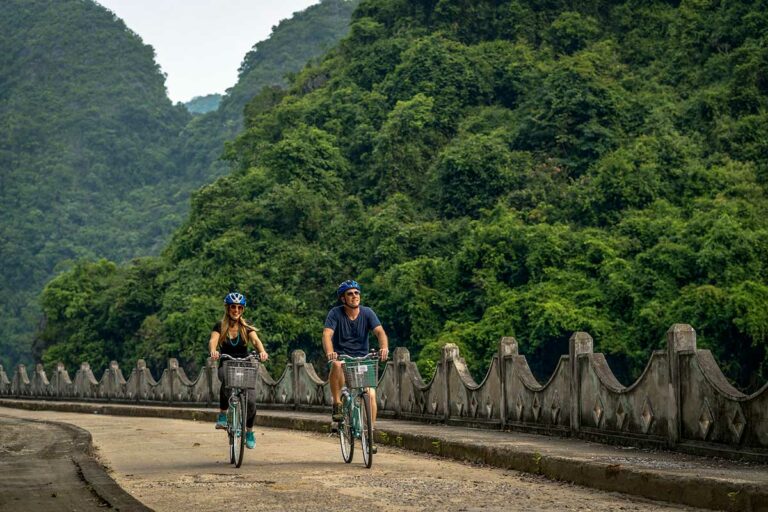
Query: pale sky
(200, 44)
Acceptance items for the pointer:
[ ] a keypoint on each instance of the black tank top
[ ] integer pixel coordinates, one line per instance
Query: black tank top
(237, 347)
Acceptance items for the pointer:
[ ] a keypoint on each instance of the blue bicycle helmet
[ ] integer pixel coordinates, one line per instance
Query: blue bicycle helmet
(347, 285)
(234, 298)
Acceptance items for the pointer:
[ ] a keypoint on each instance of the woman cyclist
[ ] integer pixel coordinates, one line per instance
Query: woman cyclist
(232, 335)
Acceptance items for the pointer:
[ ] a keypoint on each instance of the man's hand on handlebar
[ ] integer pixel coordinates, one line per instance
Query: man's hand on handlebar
(332, 356)
(384, 354)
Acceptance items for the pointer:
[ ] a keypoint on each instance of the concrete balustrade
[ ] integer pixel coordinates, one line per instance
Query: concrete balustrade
(681, 401)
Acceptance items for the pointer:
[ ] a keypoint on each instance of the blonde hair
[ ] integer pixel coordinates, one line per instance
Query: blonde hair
(242, 327)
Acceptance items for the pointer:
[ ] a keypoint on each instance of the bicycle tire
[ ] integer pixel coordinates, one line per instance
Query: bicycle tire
(346, 437)
(231, 418)
(240, 428)
(366, 429)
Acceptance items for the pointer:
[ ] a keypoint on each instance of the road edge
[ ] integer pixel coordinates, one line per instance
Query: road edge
(94, 474)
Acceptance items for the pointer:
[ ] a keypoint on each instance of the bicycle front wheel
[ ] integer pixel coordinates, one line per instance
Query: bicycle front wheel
(240, 428)
(346, 437)
(366, 429)
(232, 417)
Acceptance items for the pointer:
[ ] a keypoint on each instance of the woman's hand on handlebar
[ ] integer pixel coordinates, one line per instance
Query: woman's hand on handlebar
(215, 355)
(263, 356)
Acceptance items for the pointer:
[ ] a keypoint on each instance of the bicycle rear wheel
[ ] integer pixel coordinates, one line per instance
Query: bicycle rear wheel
(366, 429)
(346, 438)
(240, 429)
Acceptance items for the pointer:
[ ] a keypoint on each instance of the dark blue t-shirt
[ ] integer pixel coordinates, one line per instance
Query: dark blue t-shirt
(350, 337)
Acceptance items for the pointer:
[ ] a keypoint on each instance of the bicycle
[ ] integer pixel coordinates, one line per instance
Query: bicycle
(240, 375)
(360, 374)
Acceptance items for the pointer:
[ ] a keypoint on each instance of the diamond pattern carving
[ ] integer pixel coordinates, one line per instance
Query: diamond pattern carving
(473, 407)
(737, 422)
(489, 409)
(646, 415)
(598, 410)
(536, 407)
(434, 407)
(706, 420)
(621, 416)
(555, 408)
(519, 404)
(459, 409)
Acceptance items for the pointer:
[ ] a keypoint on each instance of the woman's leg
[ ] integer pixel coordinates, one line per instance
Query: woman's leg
(251, 418)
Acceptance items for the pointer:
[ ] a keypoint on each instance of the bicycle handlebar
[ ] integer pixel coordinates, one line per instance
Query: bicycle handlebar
(250, 357)
(373, 354)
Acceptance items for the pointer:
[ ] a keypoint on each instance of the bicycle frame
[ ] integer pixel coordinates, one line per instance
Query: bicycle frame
(357, 421)
(237, 412)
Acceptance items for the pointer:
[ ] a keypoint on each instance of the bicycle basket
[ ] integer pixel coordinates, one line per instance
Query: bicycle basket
(240, 374)
(361, 373)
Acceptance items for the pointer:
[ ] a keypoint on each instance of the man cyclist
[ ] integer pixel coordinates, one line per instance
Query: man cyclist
(346, 333)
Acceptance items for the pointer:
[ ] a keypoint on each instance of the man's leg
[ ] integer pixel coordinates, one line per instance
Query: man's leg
(374, 411)
(374, 406)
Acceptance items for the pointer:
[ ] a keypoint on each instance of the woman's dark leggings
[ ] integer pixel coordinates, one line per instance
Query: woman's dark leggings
(224, 400)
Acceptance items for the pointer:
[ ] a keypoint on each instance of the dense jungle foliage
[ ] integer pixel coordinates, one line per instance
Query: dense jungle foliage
(85, 151)
(203, 104)
(95, 161)
(307, 35)
(485, 169)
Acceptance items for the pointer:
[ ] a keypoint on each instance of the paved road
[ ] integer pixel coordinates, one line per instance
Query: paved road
(42, 467)
(172, 465)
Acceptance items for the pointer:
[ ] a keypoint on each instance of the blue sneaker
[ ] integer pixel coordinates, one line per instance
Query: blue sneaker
(250, 441)
(221, 422)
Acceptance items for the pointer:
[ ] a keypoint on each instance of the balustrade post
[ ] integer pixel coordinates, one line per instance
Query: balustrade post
(401, 360)
(579, 343)
(298, 360)
(507, 348)
(209, 369)
(141, 365)
(60, 370)
(20, 380)
(173, 372)
(680, 338)
(450, 352)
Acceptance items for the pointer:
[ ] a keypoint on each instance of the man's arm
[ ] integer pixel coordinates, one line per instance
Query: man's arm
(381, 335)
(328, 344)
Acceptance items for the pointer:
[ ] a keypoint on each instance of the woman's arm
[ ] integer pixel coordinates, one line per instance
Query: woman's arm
(213, 345)
(258, 345)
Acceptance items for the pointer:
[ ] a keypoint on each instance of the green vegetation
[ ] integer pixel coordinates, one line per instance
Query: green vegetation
(484, 168)
(203, 104)
(85, 151)
(95, 162)
(292, 43)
